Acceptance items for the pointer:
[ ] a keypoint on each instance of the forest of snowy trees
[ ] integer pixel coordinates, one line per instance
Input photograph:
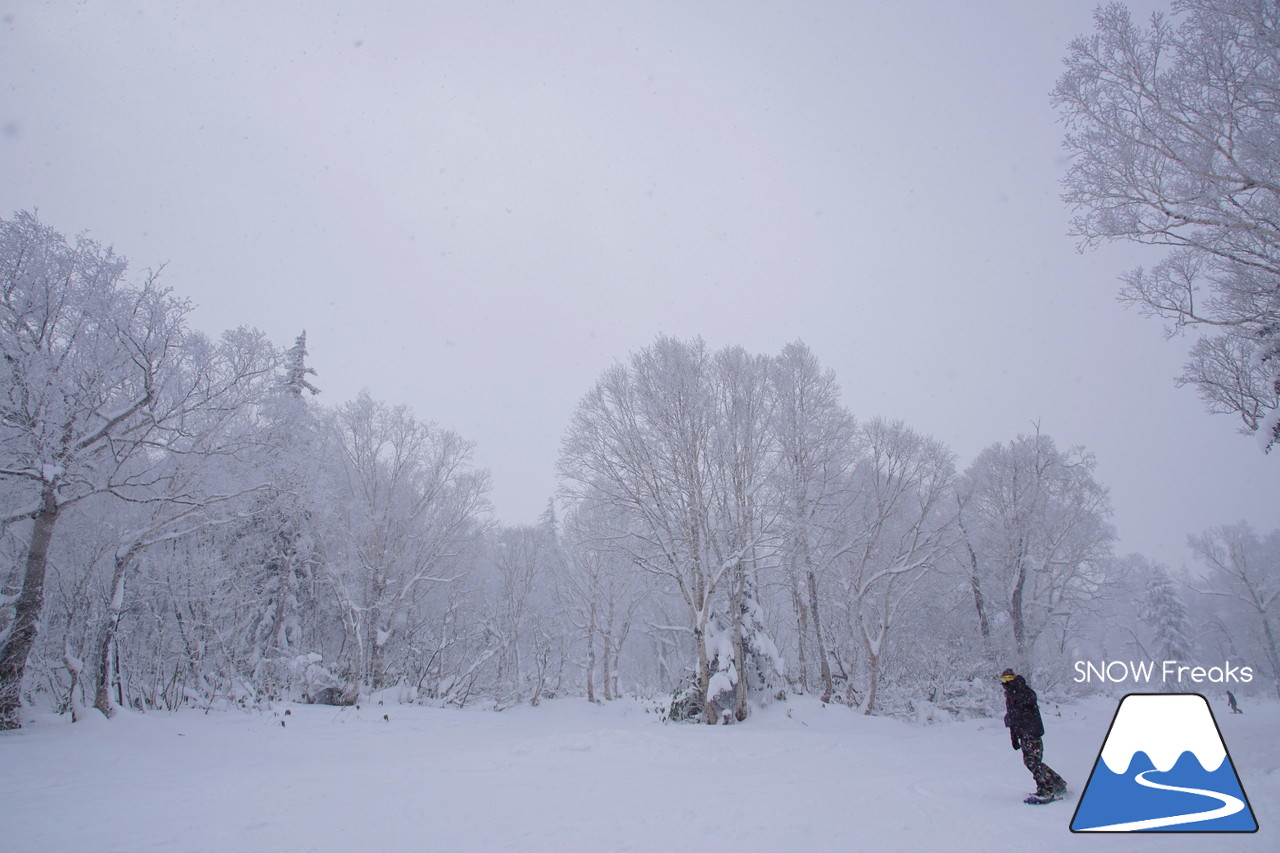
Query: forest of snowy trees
(185, 524)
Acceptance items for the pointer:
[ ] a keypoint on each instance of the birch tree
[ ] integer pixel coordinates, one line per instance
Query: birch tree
(816, 445)
(1173, 132)
(746, 508)
(639, 444)
(648, 442)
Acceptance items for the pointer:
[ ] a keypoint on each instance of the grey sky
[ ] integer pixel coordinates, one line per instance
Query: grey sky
(474, 208)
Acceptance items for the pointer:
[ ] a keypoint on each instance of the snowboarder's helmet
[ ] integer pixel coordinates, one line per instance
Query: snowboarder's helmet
(1007, 676)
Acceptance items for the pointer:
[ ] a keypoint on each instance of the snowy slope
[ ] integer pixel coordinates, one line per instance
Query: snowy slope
(568, 776)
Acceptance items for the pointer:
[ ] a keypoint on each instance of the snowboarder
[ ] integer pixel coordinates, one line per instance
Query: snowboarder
(1231, 701)
(1025, 731)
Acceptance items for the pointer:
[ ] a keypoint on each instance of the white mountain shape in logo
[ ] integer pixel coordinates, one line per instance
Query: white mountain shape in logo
(1163, 726)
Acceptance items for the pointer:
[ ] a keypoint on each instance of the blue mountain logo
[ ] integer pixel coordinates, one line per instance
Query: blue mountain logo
(1164, 768)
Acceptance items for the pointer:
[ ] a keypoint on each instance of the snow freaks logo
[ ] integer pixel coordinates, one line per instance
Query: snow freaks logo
(1163, 767)
(1168, 672)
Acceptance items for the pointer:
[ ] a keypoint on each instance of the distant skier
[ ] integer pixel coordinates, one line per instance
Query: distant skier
(1231, 701)
(1025, 731)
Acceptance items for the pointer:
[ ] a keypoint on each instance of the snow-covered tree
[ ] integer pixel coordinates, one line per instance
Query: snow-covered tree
(601, 592)
(296, 370)
(746, 512)
(1037, 521)
(673, 443)
(816, 445)
(282, 562)
(1173, 132)
(519, 564)
(413, 507)
(102, 380)
(1244, 572)
(1166, 616)
(900, 527)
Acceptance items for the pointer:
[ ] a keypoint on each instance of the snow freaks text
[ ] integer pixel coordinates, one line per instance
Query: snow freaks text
(1167, 672)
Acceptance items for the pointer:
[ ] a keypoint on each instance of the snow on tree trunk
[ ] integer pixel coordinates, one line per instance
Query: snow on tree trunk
(103, 700)
(824, 665)
(591, 657)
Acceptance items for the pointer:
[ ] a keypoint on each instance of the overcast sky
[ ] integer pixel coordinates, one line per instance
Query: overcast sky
(475, 208)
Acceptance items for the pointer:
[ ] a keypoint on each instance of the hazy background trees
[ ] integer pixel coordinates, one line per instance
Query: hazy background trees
(1243, 575)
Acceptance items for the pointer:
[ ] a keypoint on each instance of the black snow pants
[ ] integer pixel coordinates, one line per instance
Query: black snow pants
(1047, 782)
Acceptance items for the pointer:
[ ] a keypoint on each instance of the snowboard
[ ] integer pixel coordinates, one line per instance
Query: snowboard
(1038, 800)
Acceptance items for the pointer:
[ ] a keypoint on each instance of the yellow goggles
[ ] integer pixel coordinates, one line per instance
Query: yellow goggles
(1007, 678)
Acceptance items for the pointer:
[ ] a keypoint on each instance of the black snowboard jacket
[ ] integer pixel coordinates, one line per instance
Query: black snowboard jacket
(1023, 714)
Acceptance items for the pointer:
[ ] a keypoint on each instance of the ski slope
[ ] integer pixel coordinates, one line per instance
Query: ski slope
(570, 776)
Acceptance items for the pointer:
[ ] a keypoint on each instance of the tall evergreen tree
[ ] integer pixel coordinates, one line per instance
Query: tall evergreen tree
(1164, 611)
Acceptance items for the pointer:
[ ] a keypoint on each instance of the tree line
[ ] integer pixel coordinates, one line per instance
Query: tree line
(185, 525)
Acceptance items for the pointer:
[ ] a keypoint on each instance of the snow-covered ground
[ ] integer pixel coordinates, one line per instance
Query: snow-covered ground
(570, 776)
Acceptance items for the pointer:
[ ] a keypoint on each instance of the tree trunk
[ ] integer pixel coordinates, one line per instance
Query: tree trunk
(102, 699)
(1272, 657)
(277, 645)
(606, 645)
(606, 677)
(740, 709)
(978, 601)
(26, 616)
(75, 666)
(617, 655)
(1019, 625)
(824, 667)
(873, 662)
(517, 680)
(591, 654)
(376, 660)
(591, 665)
(376, 638)
(704, 674)
(802, 630)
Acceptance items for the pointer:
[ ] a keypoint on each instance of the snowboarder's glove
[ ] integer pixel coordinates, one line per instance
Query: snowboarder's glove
(1013, 737)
